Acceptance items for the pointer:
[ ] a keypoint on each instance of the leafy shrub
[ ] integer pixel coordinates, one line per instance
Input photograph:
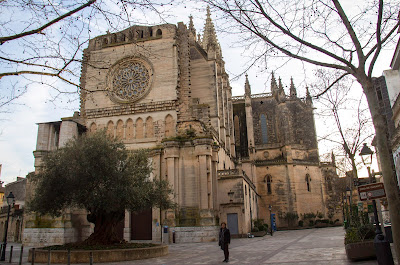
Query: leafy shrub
(359, 234)
(301, 223)
(309, 215)
(311, 223)
(255, 229)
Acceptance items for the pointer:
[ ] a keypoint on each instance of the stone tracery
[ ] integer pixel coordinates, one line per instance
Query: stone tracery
(129, 80)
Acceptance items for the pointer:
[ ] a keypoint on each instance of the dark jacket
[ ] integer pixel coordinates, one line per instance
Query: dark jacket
(224, 237)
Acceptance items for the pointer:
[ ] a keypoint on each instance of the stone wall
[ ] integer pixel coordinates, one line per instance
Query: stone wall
(195, 234)
(39, 237)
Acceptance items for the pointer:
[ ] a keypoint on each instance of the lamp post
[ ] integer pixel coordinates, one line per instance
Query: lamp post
(382, 246)
(270, 217)
(348, 210)
(10, 200)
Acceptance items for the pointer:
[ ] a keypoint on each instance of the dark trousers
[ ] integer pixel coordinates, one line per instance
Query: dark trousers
(226, 251)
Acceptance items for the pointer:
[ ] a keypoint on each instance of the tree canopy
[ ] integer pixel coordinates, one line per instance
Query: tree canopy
(97, 173)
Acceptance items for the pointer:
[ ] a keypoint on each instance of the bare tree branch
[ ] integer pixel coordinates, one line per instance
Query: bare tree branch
(40, 29)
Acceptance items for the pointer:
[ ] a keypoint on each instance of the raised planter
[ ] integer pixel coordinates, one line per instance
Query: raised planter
(360, 250)
(109, 255)
(259, 233)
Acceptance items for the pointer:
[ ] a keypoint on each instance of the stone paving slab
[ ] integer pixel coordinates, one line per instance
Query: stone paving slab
(300, 247)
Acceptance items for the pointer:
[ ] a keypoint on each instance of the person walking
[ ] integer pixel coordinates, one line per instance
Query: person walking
(224, 240)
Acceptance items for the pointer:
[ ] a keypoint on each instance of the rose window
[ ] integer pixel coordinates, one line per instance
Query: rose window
(129, 80)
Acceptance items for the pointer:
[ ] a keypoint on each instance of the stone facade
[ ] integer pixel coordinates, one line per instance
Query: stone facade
(392, 78)
(276, 142)
(166, 89)
(16, 220)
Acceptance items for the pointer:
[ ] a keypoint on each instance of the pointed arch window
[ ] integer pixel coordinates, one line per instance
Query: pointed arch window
(93, 128)
(129, 129)
(169, 126)
(268, 179)
(110, 128)
(149, 127)
(120, 129)
(308, 180)
(139, 128)
(264, 128)
(237, 129)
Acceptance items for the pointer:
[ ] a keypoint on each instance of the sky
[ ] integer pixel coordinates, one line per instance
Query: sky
(18, 127)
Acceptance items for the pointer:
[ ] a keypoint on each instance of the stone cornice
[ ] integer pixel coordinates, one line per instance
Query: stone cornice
(130, 109)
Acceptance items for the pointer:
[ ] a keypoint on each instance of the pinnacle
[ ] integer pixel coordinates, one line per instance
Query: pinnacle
(209, 35)
(247, 89)
(293, 92)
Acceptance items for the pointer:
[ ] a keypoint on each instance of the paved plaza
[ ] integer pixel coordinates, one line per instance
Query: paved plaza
(300, 247)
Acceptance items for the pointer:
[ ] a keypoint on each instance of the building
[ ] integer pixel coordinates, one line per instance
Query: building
(165, 88)
(16, 221)
(392, 78)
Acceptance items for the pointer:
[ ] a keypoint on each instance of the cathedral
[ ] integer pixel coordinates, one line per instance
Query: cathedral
(230, 159)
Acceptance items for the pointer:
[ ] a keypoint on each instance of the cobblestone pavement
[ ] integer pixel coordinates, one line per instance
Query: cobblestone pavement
(299, 247)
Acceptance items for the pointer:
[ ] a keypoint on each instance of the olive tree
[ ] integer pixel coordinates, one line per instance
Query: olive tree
(97, 173)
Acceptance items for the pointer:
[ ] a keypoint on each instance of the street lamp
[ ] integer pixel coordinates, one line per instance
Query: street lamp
(270, 217)
(10, 200)
(382, 246)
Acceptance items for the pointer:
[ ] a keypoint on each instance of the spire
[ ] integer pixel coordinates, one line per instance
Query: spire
(308, 97)
(280, 87)
(191, 25)
(247, 89)
(293, 92)
(209, 36)
(274, 86)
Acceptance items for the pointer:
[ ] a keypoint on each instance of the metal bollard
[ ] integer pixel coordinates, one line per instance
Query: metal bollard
(20, 255)
(33, 256)
(11, 251)
(69, 257)
(49, 257)
(91, 258)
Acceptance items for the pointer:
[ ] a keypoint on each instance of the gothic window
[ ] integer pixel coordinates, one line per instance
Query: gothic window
(329, 183)
(93, 128)
(159, 32)
(129, 129)
(122, 37)
(114, 38)
(139, 128)
(237, 129)
(269, 181)
(149, 127)
(263, 124)
(129, 80)
(130, 35)
(169, 126)
(110, 128)
(308, 180)
(120, 129)
(105, 41)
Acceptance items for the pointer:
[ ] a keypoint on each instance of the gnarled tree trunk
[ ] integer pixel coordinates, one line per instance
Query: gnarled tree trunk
(105, 230)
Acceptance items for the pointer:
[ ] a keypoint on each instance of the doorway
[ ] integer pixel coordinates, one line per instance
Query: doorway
(141, 226)
(233, 223)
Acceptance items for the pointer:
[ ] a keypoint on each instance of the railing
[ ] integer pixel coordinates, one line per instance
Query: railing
(262, 95)
(228, 172)
(237, 98)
